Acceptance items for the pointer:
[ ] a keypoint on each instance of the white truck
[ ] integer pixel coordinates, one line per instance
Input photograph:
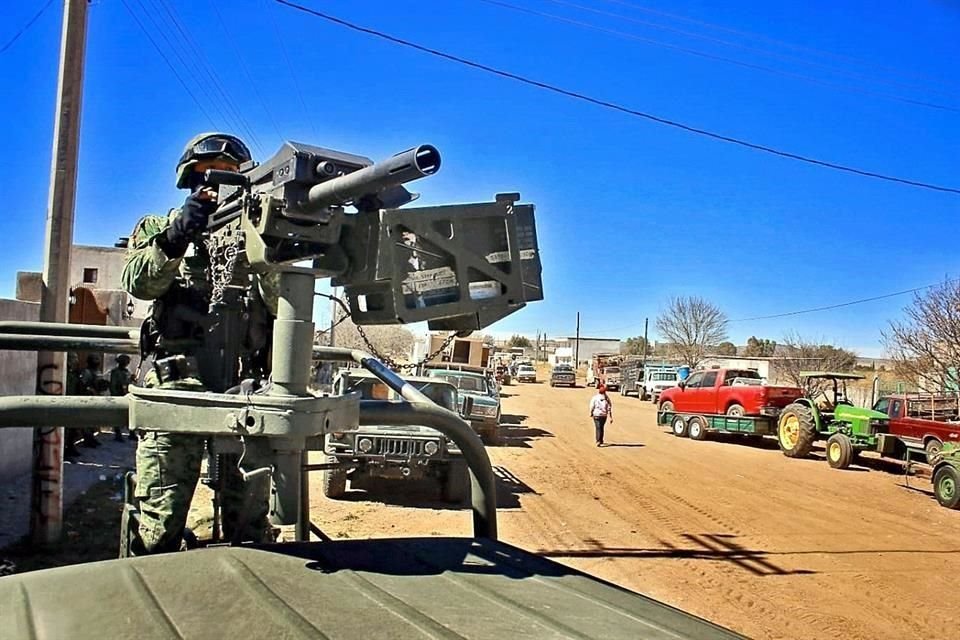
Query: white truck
(656, 379)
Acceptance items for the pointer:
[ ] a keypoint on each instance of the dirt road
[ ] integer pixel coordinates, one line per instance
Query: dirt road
(738, 534)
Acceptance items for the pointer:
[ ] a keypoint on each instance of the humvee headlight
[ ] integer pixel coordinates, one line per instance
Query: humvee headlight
(365, 445)
(431, 448)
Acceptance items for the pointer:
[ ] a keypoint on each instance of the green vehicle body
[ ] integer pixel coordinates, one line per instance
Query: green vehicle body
(698, 426)
(946, 477)
(847, 429)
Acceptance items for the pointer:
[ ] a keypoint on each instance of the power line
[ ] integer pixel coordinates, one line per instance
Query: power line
(169, 64)
(293, 76)
(839, 305)
(738, 45)
(26, 27)
(617, 107)
(719, 58)
(759, 36)
(206, 69)
(246, 71)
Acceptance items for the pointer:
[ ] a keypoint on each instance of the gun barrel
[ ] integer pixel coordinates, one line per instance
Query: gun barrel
(406, 166)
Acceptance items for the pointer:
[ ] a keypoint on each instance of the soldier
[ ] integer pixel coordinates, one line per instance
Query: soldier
(187, 342)
(91, 384)
(119, 382)
(70, 450)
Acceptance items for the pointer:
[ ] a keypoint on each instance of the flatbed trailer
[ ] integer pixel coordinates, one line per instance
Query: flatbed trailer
(697, 425)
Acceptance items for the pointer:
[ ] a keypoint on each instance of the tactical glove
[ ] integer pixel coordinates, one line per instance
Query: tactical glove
(188, 225)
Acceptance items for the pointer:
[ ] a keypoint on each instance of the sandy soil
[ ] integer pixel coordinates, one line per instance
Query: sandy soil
(734, 532)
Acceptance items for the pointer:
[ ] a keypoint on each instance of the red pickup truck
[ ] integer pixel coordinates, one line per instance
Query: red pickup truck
(924, 420)
(734, 392)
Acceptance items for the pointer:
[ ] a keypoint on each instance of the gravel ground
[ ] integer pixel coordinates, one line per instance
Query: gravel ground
(106, 462)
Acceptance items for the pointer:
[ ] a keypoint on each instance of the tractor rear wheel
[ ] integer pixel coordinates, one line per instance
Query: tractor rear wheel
(697, 428)
(839, 451)
(680, 426)
(946, 486)
(796, 430)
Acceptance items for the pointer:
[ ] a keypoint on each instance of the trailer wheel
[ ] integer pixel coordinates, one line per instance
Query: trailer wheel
(934, 449)
(796, 430)
(736, 411)
(946, 486)
(680, 426)
(839, 451)
(697, 428)
(334, 480)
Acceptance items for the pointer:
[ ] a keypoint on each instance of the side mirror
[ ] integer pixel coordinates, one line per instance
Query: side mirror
(682, 384)
(466, 407)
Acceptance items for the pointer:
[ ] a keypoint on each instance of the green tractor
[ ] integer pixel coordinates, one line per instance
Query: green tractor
(946, 477)
(847, 429)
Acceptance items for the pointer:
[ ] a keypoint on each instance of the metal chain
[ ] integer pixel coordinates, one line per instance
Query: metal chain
(387, 360)
(221, 271)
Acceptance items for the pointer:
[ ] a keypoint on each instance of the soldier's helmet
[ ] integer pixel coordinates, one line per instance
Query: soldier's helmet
(210, 146)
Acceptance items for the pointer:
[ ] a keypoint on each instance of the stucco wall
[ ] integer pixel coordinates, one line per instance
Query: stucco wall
(18, 372)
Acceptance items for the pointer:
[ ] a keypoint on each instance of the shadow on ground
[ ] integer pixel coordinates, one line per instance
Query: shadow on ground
(425, 494)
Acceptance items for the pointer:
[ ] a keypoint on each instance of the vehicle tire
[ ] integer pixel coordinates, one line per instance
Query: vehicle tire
(680, 426)
(736, 411)
(796, 430)
(491, 435)
(697, 428)
(667, 406)
(455, 483)
(839, 451)
(334, 480)
(934, 449)
(946, 486)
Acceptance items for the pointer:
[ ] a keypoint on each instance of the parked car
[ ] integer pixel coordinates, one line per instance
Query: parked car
(563, 374)
(923, 420)
(485, 415)
(526, 373)
(734, 392)
(395, 452)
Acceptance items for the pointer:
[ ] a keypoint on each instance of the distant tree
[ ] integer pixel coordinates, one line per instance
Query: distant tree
(690, 325)
(519, 341)
(389, 340)
(635, 347)
(803, 354)
(925, 346)
(726, 349)
(759, 348)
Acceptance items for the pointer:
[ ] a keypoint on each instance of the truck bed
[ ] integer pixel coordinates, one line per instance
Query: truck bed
(357, 589)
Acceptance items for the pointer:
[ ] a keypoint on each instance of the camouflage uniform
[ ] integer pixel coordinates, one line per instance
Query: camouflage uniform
(168, 464)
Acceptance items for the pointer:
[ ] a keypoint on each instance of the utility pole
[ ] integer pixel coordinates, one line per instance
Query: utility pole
(576, 350)
(646, 322)
(46, 518)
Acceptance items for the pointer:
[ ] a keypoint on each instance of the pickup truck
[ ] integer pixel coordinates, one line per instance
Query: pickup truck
(734, 392)
(923, 420)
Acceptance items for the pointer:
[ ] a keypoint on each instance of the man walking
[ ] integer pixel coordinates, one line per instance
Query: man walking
(600, 410)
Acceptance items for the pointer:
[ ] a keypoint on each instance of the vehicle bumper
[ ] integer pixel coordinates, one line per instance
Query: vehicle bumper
(770, 412)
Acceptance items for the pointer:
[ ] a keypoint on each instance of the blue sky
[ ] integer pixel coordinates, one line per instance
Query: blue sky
(629, 212)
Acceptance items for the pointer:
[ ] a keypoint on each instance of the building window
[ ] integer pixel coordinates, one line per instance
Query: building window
(89, 276)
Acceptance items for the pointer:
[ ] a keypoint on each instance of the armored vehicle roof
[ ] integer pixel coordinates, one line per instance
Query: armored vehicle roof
(350, 589)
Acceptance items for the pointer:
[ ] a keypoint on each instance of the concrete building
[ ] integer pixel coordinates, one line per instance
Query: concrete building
(588, 347)
(96, 297)
(562, 355)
